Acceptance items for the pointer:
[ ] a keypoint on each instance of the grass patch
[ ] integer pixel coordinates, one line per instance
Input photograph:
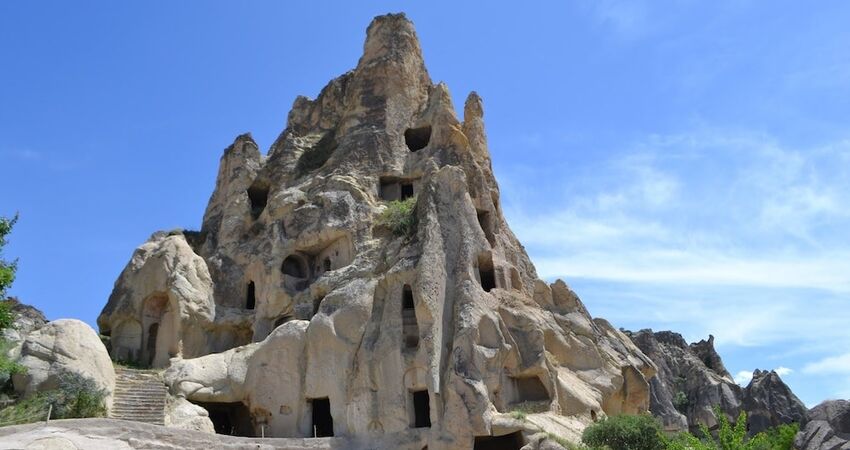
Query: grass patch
(399, 216)
(519, 415)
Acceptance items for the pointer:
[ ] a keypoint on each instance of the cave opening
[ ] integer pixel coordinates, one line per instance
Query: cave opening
(232, 419)
(417, 138)
(323, 422)
(486, 273)
(530, 389)
(251, 296)
(421, 409)
(406, 191)
(512, 441)
(258, 195)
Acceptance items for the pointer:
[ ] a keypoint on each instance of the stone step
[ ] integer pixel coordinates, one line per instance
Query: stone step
(139, 396)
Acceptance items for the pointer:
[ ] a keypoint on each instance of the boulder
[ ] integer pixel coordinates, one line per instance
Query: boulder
(63, 346)
(828, 427)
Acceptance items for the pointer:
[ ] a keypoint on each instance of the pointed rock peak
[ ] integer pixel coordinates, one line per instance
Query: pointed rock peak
(391, 36)
(474, 107)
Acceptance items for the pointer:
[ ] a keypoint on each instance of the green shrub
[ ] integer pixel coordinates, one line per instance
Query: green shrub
(680, 401)
(625, 432)
(318, 155)
(734, 437)
(399, 216)
(76, 397)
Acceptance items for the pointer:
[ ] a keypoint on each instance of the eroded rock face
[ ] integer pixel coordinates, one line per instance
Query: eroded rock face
(297, 304)
(828, 427)
(692, 380)
(769, 402)
(61, 346)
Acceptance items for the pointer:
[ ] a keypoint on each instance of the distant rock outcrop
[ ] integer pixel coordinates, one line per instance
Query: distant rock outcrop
(769, 402)
(828, 427)
(692, 381)
(314, 303)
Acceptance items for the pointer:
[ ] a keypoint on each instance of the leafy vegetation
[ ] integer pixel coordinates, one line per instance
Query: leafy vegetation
(399, 216)
(640, 432)
(734, 437)
(644, 432)
(76, 397)
(680, 401)
(317, 155)
(7, 268)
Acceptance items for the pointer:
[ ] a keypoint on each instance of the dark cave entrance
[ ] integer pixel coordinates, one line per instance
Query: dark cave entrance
(417, 138)
(513, 441)
(486, 272)
(406, 191)
(409, 324)
(251, 296)
(323, 422)
(233, 419)
(421, 409)
(258, 194)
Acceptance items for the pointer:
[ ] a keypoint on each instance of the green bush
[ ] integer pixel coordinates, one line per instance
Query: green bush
(399, 216)
(680, 401)
(76, 397)
(625, 432)
(734, 437)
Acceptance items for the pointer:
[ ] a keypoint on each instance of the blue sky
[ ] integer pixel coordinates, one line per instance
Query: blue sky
(683, 165)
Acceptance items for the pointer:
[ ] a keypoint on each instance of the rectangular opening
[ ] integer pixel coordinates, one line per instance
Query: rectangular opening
(530, 389)
(251, 297)
(389, 189)
(485, 272)
(488, 279)
(513, 441)
(323, 423)
(421, 409)
(232, 419)
(406, 191)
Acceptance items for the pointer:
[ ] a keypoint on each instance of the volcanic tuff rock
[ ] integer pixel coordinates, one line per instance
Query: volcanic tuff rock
(62, 346)
(301, 309)
(828, 427)
(692, 380)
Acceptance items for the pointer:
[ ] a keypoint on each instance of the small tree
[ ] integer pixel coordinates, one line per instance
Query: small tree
(7, 268)
(640, 432)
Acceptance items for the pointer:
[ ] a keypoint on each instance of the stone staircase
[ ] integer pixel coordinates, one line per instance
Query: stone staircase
(139, 396)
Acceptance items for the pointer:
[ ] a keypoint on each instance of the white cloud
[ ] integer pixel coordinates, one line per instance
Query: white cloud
(783, 371)
(832, 365)
(743, 377)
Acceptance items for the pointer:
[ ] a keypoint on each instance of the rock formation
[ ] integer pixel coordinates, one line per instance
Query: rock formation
(692, 381)
(305, 307)
(828, 427)
(769, 402)
(63, 346)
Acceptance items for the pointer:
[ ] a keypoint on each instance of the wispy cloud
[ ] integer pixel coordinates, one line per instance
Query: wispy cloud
(744, 377)
(832, 365)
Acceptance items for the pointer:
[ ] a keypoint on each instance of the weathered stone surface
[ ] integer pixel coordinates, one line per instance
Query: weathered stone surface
(828, 427)
(180, 413)
(692, 380)
(769, 402)
(293, 294)
(61, 346)
(27, 319)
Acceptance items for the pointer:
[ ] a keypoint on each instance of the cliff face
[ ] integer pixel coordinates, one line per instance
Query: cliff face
(828, 427)
(692, 380)
(303, 308)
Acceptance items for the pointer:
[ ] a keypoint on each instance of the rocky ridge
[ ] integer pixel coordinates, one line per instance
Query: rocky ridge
(692, 381)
